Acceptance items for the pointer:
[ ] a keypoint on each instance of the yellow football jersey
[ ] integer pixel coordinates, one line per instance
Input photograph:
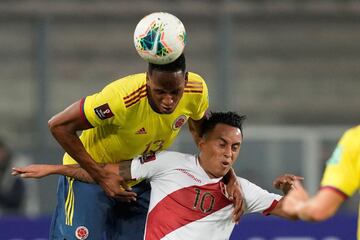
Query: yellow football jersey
(125, 125)
(343, 168)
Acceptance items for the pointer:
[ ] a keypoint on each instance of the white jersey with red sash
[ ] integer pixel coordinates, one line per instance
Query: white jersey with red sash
(186, 204)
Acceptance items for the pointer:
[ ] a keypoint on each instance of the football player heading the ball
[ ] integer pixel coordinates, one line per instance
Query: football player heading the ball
(136, 115)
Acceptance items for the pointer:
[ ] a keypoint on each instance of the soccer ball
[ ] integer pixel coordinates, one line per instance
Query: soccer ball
(160, 38)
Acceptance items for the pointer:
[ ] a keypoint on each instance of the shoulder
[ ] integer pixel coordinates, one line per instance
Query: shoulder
(244, 182)
(118, 94)
(172, 155)
(353, 134)
(129, 84)
(171, 159)
(248, 187)
(128, 89)
(196, 85)
(194, 77)
(350, 141)
(162, 161)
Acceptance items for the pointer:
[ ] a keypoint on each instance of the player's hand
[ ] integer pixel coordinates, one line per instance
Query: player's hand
(295, 199)
(286, 182)
(116, 187)
(234, 194)
(32, 171)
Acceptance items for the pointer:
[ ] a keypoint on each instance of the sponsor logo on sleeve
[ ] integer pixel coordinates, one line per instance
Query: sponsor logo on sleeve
(104, 111)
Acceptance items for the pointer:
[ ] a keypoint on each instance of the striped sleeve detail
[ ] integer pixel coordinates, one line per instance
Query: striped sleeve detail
(193, 87)
(135, 96)
(82, 113)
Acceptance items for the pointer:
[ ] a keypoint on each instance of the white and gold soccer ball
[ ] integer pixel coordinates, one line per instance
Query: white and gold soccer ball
(160, 38)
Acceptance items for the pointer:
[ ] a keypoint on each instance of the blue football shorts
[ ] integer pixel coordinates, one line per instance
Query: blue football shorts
(84, 211)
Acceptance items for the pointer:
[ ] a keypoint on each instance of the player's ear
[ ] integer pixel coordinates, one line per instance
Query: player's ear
(201, 142)
(148, 82)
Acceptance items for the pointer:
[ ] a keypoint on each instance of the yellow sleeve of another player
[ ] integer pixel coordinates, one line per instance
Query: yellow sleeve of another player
(342, 170)
(203, 104)
(105, 107)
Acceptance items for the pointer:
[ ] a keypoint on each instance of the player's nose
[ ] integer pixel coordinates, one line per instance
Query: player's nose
(227, 152)
(168, 100)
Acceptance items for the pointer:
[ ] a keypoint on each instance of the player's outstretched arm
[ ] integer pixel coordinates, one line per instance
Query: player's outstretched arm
(43, 170)
(324, 205)
(73, 170)
(36, 170)
(121, 169)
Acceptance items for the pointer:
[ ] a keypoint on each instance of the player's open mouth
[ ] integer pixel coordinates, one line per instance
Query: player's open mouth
(225, 164)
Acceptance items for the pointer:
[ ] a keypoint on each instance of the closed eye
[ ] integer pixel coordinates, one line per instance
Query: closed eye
(235, 148)
(158, 91)
(175, 92)
(222, 143)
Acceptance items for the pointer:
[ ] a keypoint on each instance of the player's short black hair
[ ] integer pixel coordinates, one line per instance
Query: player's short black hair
(178, 65)
(230, 118)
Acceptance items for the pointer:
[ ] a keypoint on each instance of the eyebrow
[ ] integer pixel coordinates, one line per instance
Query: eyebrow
(237, 143)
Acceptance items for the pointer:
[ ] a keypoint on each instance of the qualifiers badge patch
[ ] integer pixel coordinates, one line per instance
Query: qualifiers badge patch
(181, 120)
(81, 233)
(147, 157)
(104, 111)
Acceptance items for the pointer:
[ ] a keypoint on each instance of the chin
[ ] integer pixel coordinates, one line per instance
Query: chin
(168, 111)
(219, 174)
(223, 173)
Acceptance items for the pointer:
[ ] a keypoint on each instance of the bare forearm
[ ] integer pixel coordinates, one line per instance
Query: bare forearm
(278, 211)
(64, 127)
(322, 206)
(313, 211)
(43, 170)
(75, 171)
(123, 169)
(74, 147)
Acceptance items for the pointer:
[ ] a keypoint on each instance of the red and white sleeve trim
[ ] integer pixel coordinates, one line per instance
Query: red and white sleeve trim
(267, 211)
